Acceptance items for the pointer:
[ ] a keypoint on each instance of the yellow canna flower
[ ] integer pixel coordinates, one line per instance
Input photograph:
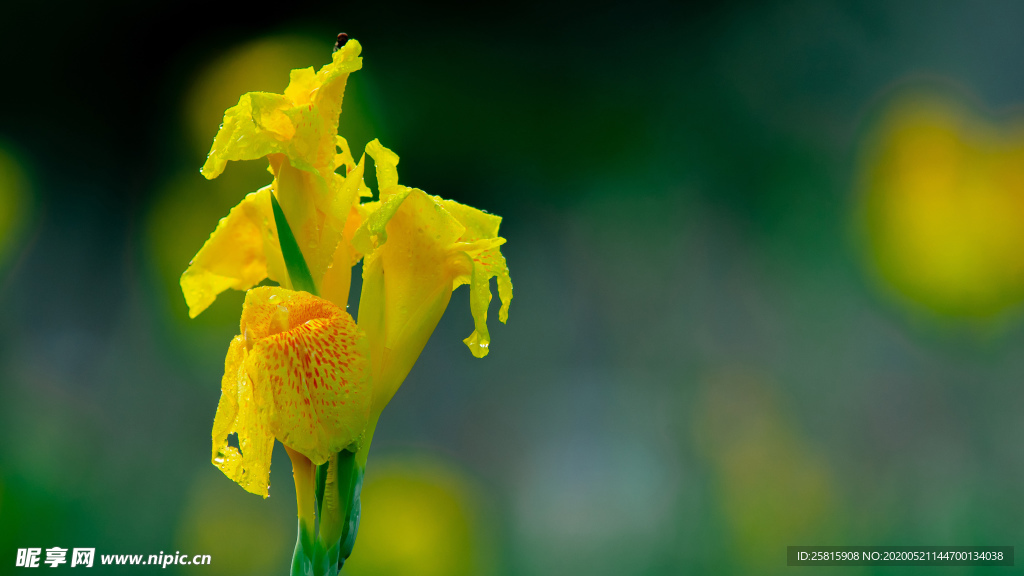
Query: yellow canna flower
(301, 371)
(296, 372)
(419, 248)
(297, 132)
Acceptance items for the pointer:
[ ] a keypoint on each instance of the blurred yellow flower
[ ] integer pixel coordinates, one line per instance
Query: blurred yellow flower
(244, 534)
(423, 517)
(943, 198)
(772, 486)
(15, 201)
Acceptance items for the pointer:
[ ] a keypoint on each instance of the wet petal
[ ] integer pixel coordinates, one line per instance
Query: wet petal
(298, 192)
(386, 162)
(343, 157)
(241, 252)
(485, 262)
(309, 368)
(462, 247)
(302, 84)
(481, 242)
(240, 138)
(333, 77)
(337, 279)
(479, 224)
(238, 412)
(302, 123)
(373, 231)
(407, 281)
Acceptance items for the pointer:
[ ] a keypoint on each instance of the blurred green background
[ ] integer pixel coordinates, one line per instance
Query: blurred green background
(768, 263)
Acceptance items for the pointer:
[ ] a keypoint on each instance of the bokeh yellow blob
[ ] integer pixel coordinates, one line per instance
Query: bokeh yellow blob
(180, 219)
(419, 518)
(243, 534)
(15, 201)
(943, 207)
(772, 488)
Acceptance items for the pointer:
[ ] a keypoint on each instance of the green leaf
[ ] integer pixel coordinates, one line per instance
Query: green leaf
(298, 271)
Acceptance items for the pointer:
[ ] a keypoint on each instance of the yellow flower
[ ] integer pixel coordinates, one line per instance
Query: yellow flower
(419, 248)
(296, 372)
(301, 371)
(297, 132)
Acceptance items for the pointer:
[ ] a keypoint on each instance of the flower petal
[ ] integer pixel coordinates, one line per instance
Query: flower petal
(333, 77)
(302, 84)
(407, 281)
(302, 123)
(479, 224)
(344, 155)
(373, 232)
(471, 256)
(386, 162)
(238, 412)
(485, 262)
(240, 137)
(297, 192)
(309, 368)
(241, 252)
(337, 279)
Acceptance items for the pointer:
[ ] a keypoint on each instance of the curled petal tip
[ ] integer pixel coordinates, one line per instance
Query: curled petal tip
(477, 345)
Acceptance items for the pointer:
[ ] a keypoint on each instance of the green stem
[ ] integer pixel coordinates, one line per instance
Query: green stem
(348, 538)
(303, 472)
(340, 507)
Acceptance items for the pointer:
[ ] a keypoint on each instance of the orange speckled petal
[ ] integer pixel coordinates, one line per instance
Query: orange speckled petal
(241, 252)
(237, 412)
(309, 368)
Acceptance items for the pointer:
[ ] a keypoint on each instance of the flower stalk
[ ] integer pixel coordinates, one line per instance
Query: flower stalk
(331, 489)
(303, 472)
